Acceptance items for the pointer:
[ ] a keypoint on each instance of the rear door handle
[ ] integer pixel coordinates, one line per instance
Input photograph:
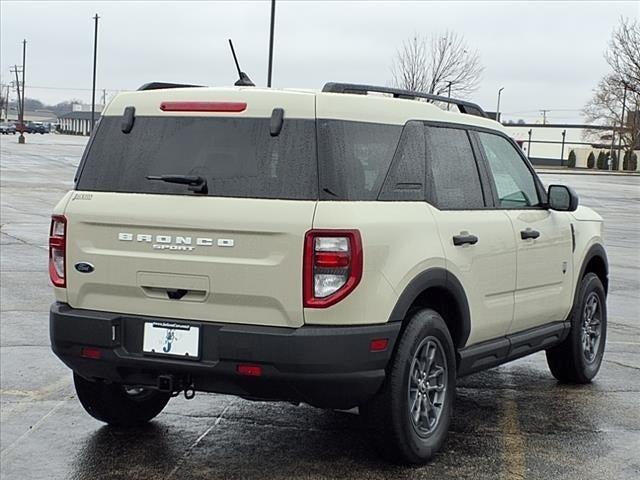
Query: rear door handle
(464, 238)
(529, 233)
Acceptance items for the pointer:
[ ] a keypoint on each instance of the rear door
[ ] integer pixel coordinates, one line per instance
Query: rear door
(231, 255)
(543, 237)
(478, 241)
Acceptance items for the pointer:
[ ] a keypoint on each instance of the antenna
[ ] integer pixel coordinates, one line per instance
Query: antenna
(243, 78)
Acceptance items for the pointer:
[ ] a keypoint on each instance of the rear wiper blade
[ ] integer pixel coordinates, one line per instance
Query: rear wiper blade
(195, 183)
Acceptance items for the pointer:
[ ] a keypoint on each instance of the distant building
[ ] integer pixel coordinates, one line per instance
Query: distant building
(78, 121)
(549, 144)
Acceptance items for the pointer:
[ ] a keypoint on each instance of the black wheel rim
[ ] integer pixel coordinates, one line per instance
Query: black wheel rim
(591, 332)
(427, 386)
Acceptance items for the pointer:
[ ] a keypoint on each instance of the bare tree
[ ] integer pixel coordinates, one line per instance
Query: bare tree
(623, 55)
(437, 65)
(605, 108)
(409, 69)
(606, 105)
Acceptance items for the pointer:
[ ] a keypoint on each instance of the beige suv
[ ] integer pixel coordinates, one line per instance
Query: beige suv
(358, 246)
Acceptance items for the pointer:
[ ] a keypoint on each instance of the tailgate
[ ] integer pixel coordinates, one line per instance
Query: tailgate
(216, 259)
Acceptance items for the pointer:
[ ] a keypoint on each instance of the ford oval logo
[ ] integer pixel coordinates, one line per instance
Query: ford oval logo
(84, 267)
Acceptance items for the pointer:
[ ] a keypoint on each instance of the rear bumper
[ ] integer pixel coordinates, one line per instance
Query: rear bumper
(330, 367)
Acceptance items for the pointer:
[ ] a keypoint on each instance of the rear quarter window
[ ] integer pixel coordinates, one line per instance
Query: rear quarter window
(354, 158)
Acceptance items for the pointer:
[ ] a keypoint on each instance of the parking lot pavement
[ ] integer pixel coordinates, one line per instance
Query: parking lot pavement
(514, 421)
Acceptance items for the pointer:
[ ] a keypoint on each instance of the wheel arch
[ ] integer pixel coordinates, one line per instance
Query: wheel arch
(595, 261)
(439, 289)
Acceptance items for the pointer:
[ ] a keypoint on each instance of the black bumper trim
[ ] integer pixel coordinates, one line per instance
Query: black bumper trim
(324, 366)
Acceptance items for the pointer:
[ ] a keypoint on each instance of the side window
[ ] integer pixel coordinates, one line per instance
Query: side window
(513, 179)
(405, 180)
(452, 173)
(354, 158)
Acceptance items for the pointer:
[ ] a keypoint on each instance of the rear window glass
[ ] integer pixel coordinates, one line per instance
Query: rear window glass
(354, 158)
(237, 156)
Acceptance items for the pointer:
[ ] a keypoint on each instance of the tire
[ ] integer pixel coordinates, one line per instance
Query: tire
(113, 404)
(390, 414)
(578, 358)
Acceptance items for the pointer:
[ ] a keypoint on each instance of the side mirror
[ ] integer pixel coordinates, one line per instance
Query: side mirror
(562, 198)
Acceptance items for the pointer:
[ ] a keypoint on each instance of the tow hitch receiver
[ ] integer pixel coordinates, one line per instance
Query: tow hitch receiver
(167, 383)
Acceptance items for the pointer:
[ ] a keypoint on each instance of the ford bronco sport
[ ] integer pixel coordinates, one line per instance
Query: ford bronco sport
(358, 246)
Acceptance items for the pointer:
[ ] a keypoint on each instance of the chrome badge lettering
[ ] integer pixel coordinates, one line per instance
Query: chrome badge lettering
(174, 243)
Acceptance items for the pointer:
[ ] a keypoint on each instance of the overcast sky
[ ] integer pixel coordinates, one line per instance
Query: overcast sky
(547, 55)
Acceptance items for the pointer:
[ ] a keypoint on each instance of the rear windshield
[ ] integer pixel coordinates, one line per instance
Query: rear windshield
(238, 157)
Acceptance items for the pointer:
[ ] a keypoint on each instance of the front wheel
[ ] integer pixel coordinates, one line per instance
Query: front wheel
(410, 416)
(578, 358)
(119, 405)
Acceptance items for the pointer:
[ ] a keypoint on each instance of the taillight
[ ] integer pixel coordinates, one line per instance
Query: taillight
(332, 266)
(57, 250)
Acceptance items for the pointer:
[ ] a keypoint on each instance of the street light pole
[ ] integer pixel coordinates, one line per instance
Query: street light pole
(95, 61)
(498, 107)
(273, 19)
(21, 138)
(624, 105)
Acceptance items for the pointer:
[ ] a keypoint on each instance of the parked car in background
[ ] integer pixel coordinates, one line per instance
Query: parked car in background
(7, 128)
(32, 127)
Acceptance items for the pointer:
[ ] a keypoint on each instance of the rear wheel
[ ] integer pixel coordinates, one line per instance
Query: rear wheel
(119, 405)
(410, 416)
(578, 358)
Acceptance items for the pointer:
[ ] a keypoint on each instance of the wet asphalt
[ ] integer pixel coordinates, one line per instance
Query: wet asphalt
(514, 421)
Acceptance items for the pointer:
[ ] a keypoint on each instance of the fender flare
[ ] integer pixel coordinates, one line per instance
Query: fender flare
(441, 278)
(596, 250)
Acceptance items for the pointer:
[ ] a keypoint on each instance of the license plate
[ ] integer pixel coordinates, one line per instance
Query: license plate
(167, 338)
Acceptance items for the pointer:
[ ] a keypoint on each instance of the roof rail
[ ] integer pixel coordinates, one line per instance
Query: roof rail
(161, 85)
(464, 106)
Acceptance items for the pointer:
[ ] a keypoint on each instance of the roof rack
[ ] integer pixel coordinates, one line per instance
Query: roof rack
(464, 106)
(161, 85)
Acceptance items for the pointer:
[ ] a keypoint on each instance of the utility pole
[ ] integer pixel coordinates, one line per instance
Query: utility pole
(273, 19)
(21, 138)
(95, 60)
(529, 144)
(498, 107)
(20, 104)
(449, 94)
(16, 70)
(544, 116)
(564, 134)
